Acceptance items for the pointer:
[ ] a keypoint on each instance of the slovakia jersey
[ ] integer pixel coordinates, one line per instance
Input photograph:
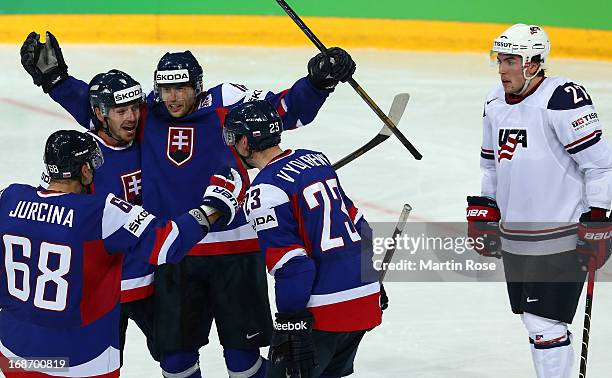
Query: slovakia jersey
(119, 175)
(298, 208)
(545, 163)
(179, 156)
(61, 269)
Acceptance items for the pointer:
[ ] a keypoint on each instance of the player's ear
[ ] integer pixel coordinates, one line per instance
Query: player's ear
(533, 68)
(86, 171)
(99, 115)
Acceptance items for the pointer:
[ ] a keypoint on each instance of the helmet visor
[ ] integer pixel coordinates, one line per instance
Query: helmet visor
(229, 137)
(96, 159)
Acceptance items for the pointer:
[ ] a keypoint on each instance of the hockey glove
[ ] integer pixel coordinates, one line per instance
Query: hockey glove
(384, 299)
(222, 196)
(483, 225)
(594, 238)
(292, 349)
(43, 61)
(326, 70)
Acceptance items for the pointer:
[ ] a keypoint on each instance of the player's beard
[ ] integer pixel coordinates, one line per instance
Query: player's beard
(244, 158)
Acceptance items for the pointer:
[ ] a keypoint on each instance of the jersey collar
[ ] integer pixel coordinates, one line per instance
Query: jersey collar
(512, 99)
(283, 155)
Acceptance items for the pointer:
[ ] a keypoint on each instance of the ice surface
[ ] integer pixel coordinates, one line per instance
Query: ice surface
(431, 329)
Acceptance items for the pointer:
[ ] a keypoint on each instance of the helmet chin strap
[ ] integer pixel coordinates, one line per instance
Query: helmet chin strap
(528, 80)
(244, 158)
(108, 132)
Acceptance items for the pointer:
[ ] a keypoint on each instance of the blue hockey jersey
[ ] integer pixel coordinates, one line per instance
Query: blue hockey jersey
(120, 175)
(180, 155)
(60, 285)
(299, 209)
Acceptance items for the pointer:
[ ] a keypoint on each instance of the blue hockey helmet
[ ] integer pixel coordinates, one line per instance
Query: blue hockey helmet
(258, 121)
(113, 88)
(67, 150)
(178, 68)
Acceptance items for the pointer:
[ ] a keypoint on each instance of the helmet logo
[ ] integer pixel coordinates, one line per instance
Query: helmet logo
(179, 148)
(534, 29)
(172, 77)
(128, 94)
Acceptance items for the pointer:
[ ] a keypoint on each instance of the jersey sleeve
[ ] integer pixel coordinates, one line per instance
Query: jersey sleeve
(131, 229)
(578, 128)
(269, 211)
(297, 105)
(72, 94)
(488, 187)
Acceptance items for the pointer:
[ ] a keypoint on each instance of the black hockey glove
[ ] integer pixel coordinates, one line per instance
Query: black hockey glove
(221, 196)
(43, 61)
(483, 225)
(292, 349)
(594, 238)
(384, 299)
(326, 70)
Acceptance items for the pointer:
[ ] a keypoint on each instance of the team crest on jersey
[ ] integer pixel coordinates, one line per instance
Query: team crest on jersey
(509, 141)
(132, 187)
(180, 144)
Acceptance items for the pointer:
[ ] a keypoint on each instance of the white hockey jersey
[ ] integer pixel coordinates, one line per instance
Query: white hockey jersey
(545, 163)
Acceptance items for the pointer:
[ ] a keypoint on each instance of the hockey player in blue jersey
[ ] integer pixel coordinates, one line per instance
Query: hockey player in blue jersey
(182, 146)
(310, 233)
(61, 252)
(113, 117)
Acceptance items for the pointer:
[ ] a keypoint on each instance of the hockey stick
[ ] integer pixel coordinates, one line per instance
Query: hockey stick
(298, 21)
(586, 330)
(395, 115)
(399, 227)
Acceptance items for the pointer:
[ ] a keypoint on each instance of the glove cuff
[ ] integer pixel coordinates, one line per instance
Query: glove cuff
(482, 209)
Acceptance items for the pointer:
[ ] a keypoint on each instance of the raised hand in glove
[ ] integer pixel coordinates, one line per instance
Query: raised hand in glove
(292, 350)
(483, 225)
(220, 197)
(43, 61)
(594, 238)
(325, 71)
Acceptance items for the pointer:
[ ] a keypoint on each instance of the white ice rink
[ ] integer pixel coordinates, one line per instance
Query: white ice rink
(431, 329)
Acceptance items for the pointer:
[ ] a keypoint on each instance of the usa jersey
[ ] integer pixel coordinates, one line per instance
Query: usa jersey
(60, 281)
(120, 175)
(545, 163)
(180, 155)
(299, 209)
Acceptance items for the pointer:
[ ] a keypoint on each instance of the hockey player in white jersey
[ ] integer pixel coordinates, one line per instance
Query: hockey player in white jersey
(547, 183)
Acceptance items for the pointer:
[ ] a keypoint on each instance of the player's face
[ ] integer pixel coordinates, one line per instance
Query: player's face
(122, 122)
(510, 69)
(179, 99)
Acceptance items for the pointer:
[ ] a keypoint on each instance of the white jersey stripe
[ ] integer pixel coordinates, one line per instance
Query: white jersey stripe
(135, 283)
(317, 300)
(286, 257)
(163, 251)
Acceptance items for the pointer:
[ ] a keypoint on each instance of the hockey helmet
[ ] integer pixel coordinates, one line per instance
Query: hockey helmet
(527, 41)
(67, 150)
(258, 121)
(113, 88)
(178, 68)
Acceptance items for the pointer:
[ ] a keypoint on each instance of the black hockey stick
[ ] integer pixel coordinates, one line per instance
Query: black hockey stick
(399, 227)
(298, 21)
(586, 330)
(395, 115)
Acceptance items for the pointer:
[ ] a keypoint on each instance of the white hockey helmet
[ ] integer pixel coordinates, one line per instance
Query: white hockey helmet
(524, 40)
